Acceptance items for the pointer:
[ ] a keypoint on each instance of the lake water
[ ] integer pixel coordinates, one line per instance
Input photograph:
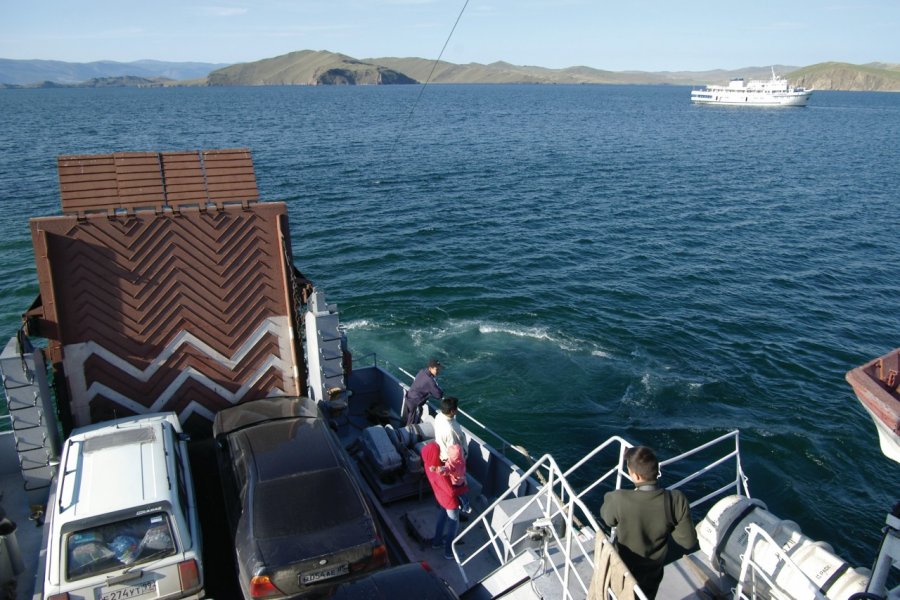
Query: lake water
(586, 260)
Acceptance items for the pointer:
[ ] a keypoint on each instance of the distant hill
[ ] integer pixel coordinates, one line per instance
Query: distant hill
(308, 67)
(872, 77)
(24, 72)
(503, 72)
(126, 81)
(499, 72)
(888, 66)
(721, 76)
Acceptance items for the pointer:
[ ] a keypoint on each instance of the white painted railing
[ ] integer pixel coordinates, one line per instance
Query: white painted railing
(562, 508)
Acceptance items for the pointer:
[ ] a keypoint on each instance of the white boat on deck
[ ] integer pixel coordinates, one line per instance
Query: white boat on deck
(534, 532)
(776, 91)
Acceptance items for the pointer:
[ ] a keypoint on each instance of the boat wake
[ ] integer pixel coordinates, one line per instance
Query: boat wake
(452, 332)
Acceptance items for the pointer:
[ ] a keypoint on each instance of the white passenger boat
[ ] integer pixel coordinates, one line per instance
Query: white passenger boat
(776, 91)
(535, 532)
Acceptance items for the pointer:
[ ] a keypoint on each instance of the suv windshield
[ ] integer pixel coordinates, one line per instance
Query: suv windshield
(111, 546)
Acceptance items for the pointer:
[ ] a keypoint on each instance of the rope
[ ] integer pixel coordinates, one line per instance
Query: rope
(427, 80)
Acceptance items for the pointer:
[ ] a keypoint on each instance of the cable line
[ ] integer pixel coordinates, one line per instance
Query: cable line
(428, 79)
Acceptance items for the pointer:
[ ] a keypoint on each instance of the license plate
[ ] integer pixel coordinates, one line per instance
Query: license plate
(131, 591)
(323, 574)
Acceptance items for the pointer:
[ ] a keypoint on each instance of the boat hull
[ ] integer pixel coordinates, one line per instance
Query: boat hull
(751, 99)
(776, 91)
(877, 385)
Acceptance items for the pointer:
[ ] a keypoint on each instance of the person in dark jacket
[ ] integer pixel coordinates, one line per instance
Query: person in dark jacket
(423, 386)
(447, 497)
(644, 519)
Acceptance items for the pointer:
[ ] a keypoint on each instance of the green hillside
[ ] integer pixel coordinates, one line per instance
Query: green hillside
(845, 76)
(498, 72)
(307, 67)
(310, 67)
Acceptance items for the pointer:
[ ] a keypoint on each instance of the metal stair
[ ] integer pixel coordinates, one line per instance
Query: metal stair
(325, 353)
(32, 416)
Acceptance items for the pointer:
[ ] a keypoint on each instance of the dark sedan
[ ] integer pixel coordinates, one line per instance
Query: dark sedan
(300, 522)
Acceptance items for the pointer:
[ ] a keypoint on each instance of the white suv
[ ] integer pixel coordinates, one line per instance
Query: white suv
(123, 522)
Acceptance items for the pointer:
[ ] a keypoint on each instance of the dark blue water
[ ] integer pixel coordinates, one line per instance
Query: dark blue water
(587, 260)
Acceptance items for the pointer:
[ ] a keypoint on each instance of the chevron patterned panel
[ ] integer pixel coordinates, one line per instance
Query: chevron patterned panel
(187, 312)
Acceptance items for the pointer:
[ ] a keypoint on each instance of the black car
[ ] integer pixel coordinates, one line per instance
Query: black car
(300, 522)
(413, 580)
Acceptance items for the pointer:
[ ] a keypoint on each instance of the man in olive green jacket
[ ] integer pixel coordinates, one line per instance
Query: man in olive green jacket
(645, 517)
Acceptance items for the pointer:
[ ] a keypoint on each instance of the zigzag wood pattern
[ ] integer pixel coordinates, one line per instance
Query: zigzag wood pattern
(130, 285)
(193, 398)
(186, 380)
(156, 377)
(106, 375)
(164, 275)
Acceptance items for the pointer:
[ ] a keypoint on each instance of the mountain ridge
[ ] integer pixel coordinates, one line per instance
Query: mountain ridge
(322, 67)
(307, 67)
(31, 72)
(846, 76)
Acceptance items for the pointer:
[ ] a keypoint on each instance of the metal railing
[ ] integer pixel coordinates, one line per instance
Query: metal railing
(503, 445)
(755, 575)
(557, 514)
(739, 485)
(559, 508)
(562, 508)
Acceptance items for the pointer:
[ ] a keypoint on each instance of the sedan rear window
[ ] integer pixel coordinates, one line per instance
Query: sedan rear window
(112, 546)
(305, 503)
(281, 448)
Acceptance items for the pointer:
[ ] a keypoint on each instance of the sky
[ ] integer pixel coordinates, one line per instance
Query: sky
(646, 35)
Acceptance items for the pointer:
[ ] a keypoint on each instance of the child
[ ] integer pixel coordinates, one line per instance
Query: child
(455, 470)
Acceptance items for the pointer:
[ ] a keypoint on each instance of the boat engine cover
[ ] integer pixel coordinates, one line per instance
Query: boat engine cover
(379, 451)
(723, 538)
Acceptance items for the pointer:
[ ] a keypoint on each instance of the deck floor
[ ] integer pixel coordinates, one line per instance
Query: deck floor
(219, 567)
(411, 522)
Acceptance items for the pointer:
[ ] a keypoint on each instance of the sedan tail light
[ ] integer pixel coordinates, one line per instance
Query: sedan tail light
(262, 587)
(376, 560)
(379, 555)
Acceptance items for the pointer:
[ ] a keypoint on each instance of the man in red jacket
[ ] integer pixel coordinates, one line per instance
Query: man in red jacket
(447, 497)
